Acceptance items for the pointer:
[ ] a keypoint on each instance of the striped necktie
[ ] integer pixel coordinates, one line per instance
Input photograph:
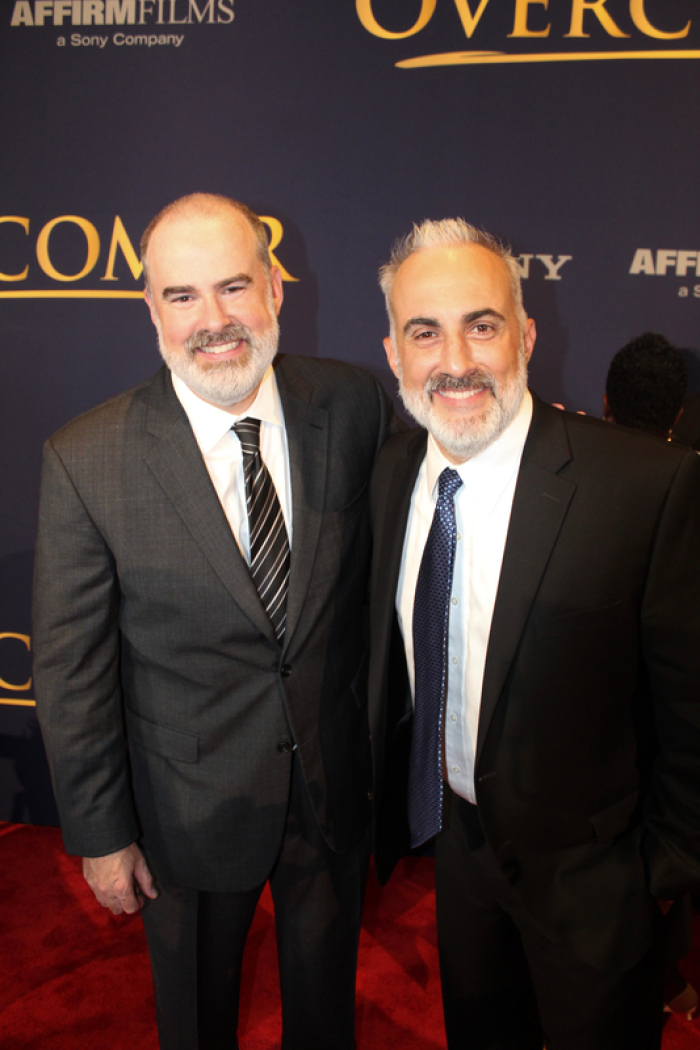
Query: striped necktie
(269, 546)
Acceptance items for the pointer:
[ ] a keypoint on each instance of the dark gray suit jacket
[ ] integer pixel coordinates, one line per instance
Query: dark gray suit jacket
(588, 748)
(165, 701)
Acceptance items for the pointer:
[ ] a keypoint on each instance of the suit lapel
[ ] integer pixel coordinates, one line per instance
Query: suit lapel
(176, 462)
(308, 435)
(540, 505)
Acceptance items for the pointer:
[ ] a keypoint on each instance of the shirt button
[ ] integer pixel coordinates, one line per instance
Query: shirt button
(454, 601)
(453, 718)
(456, 769)
(455, 661)
(459, 535)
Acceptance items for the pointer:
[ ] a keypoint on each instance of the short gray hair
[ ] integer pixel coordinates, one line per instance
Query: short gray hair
(448, 233)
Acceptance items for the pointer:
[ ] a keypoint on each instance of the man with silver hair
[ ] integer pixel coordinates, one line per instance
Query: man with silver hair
(200, 669)
(534, 675)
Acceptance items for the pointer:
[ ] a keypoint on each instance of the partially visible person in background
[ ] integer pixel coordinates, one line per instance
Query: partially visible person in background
(687, 430)
(646, 384)
(644, 390)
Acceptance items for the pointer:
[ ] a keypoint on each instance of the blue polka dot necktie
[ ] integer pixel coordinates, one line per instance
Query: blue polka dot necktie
(430, 621)
(269, 545)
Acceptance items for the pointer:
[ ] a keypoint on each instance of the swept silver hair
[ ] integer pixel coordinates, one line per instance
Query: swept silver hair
(448, 233)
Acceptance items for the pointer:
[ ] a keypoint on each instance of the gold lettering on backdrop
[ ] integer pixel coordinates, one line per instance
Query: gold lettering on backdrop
(520, 28)
(366, 16)
(121, 13)
(528, 24)
(93, 248)
(597, 7)
(173, 20)
(93, 13)
(276, 234)
(24, 223)
(470, 21)
(72, 293)
(498, 58)
(145, 8)
(22, 14)
(27, 641)
(120, 239)
(642, 23)
(201, 15)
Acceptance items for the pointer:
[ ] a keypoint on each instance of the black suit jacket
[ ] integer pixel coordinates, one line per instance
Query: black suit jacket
(164, 698)
(588, 749)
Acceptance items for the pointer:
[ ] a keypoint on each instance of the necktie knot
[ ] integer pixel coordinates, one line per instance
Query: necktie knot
(448, 483)
(248, 432)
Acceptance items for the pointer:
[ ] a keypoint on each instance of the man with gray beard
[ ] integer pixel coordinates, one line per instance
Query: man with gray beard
(200, 671)
(535, 663)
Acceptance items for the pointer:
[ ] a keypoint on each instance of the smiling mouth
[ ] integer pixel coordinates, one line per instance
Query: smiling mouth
(460, 395)
(219, 348)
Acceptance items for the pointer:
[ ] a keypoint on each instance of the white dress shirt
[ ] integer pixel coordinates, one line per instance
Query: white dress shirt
(482, 508)
(223, 457)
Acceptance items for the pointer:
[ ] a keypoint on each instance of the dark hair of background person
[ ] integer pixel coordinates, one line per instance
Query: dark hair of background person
(646, 384)
(687, 429)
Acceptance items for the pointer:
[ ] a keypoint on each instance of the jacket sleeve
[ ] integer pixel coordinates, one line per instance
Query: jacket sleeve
(76, 668)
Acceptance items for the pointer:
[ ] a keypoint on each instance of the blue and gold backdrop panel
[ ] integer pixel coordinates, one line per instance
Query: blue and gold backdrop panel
(568, 127)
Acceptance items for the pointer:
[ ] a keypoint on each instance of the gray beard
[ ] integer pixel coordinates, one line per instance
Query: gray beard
(223, 383)
(465, 438)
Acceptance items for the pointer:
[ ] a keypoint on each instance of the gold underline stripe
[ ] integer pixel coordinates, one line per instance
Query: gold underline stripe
(17, 703)
(477, 58)
(72, 294)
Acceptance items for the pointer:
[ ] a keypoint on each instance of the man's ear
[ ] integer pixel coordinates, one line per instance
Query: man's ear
(607, 414)
(391, 355)
(277, 287)
(149, 304)
(529, 337)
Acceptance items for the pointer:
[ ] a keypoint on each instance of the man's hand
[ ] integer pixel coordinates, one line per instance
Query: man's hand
(121, 880)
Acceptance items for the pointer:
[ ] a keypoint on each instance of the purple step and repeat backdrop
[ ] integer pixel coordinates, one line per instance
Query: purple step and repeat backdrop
(568, 127)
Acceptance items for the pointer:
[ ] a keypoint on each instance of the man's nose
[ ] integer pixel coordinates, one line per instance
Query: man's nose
(214, 316)
(457, 358)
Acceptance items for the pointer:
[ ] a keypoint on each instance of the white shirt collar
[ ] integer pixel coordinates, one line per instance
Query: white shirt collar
(210, 423)
(486, 474)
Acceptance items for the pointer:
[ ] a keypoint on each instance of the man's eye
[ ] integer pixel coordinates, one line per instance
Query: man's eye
(233, 288)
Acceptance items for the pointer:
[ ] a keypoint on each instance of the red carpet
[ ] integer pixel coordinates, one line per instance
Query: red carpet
(74, 976)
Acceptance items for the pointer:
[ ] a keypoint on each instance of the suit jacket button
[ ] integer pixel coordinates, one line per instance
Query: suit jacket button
(369, 796)
(284, 747)
(286, 670)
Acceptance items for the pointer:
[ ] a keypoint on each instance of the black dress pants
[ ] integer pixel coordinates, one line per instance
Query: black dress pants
(508, 987)
(196, 941)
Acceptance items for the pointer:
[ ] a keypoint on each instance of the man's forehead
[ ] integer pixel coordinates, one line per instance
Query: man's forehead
(223, 227)
(444, 273)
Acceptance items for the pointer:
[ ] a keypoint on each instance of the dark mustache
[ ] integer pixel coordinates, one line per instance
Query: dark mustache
(204, 337)
(475, 380)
